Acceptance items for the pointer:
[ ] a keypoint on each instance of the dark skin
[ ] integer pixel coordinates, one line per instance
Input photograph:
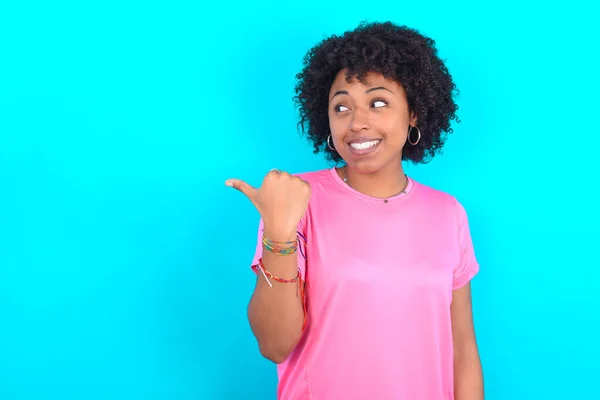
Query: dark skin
(378, 111)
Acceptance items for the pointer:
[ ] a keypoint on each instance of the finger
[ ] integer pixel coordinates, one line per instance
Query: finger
(248, 190)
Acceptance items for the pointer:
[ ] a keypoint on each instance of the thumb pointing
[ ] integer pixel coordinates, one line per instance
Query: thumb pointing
(243, 187)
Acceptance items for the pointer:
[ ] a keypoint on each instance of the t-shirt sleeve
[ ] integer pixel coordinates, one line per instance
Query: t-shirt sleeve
(301, 252)
(467, 266)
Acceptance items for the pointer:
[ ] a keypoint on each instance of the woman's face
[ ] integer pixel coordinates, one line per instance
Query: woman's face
(369, 122)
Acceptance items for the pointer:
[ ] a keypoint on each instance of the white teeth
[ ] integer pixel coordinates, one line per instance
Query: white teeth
(364, 145)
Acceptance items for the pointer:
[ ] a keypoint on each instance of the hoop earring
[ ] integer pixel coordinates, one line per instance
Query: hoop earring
(410, 130)
(329, 145)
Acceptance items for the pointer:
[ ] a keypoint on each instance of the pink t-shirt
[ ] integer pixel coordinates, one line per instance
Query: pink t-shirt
(379, 280)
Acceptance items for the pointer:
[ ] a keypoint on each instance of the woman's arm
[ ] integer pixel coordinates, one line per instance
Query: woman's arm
(468, 374)
(276, 313)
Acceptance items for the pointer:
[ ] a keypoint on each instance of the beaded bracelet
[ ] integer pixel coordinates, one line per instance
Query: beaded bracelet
(285, 248)
(280, 248)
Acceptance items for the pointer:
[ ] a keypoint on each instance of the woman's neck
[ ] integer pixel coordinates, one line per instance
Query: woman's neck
(386, 182)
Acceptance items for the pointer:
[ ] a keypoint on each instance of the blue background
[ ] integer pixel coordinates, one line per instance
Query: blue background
(124, 259)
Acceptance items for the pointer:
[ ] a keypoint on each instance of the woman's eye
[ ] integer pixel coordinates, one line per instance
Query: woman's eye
(379, 103)
(341, 108)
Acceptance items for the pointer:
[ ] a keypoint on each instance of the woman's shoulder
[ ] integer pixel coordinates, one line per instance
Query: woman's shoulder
(434, 196)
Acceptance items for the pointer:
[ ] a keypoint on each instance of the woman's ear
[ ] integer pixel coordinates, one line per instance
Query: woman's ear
(413, 119)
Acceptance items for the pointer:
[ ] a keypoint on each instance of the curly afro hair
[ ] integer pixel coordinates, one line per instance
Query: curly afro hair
(398, 53)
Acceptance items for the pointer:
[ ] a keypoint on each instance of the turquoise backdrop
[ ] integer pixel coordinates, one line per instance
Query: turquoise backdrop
(124, 260)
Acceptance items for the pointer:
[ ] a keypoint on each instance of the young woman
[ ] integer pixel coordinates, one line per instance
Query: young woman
(363, 274)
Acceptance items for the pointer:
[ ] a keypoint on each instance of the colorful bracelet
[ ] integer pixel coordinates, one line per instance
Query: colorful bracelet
(280, 248)
(286, 248)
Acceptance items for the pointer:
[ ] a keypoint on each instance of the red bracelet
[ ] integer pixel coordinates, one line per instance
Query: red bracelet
(298, 279)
